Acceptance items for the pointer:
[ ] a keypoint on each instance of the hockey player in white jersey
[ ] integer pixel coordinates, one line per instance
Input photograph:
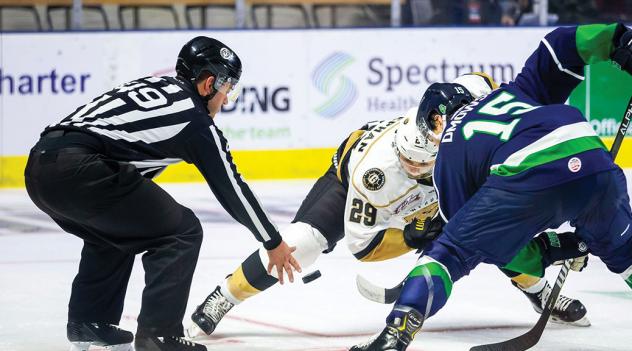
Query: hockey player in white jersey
(378, 193)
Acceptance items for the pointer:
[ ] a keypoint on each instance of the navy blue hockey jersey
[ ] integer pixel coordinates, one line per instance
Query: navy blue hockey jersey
(521, 137)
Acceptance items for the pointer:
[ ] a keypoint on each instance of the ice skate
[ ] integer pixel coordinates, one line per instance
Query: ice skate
(165, 343)
(396, 336)
(566, 310)
(209, 314)
(83, 335)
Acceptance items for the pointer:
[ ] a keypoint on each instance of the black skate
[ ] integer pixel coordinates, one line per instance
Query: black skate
(566, 310)
(165, 343)
(82, 335)
(207, 315)
(397, 335)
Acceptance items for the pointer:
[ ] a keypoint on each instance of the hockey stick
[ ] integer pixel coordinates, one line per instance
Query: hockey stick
(377, 293)
(530, 338)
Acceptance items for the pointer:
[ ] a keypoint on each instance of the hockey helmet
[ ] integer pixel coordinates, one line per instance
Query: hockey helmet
(441, 99)
(446, 98)
(477, 83)
(414, 149)
(202, 54)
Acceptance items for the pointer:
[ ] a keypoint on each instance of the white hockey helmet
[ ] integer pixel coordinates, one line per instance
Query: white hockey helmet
(413, 148)
(477, 83)
(410, 141)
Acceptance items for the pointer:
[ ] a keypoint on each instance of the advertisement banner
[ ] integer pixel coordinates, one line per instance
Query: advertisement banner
(603, 97)
(300, 89)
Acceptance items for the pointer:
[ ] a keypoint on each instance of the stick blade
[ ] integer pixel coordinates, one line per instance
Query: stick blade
(520, 343)
(377, 293)
(370, 291)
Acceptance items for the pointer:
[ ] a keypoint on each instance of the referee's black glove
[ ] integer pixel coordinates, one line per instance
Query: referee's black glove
(418, 233)
(622, 54)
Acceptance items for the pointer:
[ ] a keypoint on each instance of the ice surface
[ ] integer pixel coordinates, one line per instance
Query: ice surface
(38, 262)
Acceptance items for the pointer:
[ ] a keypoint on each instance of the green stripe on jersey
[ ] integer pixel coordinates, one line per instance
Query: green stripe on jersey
(627, 276)
(594, 42)
(436, 270)
(565, 141)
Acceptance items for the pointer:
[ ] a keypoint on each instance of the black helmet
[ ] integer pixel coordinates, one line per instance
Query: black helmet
(207, 54)
(442, 99)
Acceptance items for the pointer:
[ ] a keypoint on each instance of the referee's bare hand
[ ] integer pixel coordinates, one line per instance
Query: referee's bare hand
(281, 258)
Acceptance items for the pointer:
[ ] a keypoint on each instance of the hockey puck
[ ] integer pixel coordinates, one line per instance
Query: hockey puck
(308, 278)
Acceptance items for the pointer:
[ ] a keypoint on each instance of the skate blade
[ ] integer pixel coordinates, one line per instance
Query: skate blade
(80, 346)
(583, 322)
(121, 347)
(193, 332)
(84, 346)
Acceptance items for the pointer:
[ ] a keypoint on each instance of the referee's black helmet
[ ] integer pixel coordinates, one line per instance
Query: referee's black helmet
(207, 54)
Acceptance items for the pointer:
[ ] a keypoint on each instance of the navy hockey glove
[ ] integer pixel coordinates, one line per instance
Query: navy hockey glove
(622, 54)
(563, 246)
(418, 233)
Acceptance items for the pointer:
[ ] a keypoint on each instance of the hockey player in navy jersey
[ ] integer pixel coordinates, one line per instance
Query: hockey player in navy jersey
(512, 164)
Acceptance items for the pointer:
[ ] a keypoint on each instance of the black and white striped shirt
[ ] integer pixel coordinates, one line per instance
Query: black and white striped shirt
(154, 122)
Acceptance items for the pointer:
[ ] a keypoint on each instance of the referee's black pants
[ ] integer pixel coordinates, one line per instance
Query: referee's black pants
(118, 214)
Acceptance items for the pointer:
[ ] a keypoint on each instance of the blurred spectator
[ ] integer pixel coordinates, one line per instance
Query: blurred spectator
(512, 11)
(574, 11)
(614, 10)
(463, 12)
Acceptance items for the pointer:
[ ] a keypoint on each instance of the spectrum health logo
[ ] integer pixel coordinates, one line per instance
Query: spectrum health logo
(339, 89)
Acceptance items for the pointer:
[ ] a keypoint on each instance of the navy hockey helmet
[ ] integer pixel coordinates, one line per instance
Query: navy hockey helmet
(207, 54)
(443, 99)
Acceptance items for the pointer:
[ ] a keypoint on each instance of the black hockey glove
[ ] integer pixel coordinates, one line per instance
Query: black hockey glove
(418, 233)
(558, 247)
(622, 54)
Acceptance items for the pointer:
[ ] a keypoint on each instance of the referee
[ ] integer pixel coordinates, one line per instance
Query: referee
(91, 173)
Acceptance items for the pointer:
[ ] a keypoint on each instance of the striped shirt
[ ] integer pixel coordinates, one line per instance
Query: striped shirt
(154, 122)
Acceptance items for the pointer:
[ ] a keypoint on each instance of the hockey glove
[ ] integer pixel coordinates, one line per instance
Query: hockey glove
(418, 233)
(577, 264)
(622, 54)
(557, 247)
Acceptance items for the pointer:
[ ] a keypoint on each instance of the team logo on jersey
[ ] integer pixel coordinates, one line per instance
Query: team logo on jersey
(373, 179)
(574, 164)
(226, 53)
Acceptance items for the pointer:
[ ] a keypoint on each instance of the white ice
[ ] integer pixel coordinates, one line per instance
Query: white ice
(38, 262)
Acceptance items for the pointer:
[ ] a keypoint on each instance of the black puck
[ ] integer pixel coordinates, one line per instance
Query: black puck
(308, 278)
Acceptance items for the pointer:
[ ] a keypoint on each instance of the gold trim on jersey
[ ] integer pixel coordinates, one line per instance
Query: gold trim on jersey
(427, 212)
(392, 245)
(353, 137)
(239, 286)
(366, 152)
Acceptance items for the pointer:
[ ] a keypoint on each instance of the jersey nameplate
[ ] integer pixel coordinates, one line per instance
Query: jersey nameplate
(456, 120)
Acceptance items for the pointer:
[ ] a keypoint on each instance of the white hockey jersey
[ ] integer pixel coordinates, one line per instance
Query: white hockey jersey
(381, 198)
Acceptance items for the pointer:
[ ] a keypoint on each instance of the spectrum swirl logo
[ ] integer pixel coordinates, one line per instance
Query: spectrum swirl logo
(339, 89)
